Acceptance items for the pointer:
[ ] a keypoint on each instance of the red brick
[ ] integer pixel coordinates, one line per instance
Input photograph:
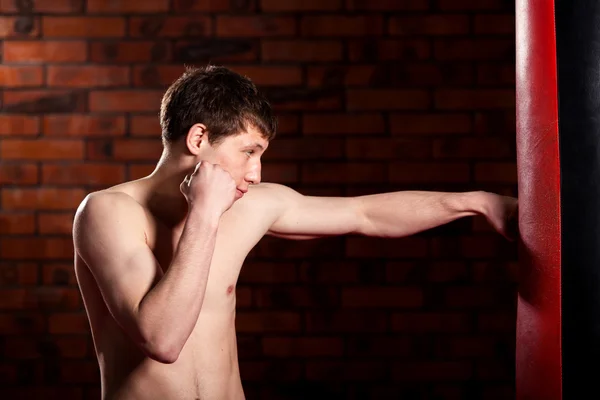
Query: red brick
(156, 75)
(200, 52)
(21, 76)
(243, 297)
(36, 199)
(276, 248)
(44, 6)
(379, 346)
(288, 124)
(345, 371)
(123, 52)
(468, 5)
(255, 26)
(34, 248)
(411, 173)
(496, 123)
(447, 272)
(368, 247)
(19, 27)
(469, 297)
(274, 371)
(343, 173)
(474, 49)
(137, 149)
(285, 149)
(431, 322)
(295, 297)
(494, 370)
(41, 392)
(58, 274)
(380, 297)
(267, 321)
(268, 272)
(496, 74)
(387, 149)
(387, 99)
(387, 5)
(83, 125)
(346, 321)
(16, 223)
(430, 124)
(23, 323)
(329, 272)
(495, 272)
(19, 125)
(18, 174)
(472, 148)
(348, 75)
(73, 372)
(83, 27)
(299, 50)
(88, 76)
(389, 49)
(474, 99)
(495, 24)
(429, 25)
(41, 149)
(55, 223)
(270, 76)
(22, 274)
(43, 101)
(127, 6)
(46, 298)
(144, 125)
(212, 5)
(137, 171)
(300, 5)
(430, 371)
(67, 323)
(324, 101)
(125, 100)
(82, 174)
(343, 124)
(174, 27)
(497, 172)
(497, 322)
(342, 25)
(302, 347)
(44, 51)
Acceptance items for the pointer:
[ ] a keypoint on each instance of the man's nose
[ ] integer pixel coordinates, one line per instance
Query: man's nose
(254, 176)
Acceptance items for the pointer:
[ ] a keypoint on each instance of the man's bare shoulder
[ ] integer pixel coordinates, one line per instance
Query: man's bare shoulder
(107, 210)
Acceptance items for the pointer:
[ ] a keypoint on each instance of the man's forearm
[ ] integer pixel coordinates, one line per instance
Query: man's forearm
(405, 213)
(170, 310)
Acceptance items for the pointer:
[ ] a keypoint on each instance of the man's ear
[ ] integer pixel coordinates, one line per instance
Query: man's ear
(196, 135)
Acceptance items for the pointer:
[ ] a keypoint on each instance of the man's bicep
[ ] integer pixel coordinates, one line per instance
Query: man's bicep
(109, 242)
(307, 217)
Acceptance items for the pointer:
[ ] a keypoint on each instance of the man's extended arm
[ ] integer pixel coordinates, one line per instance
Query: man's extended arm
(394, 214)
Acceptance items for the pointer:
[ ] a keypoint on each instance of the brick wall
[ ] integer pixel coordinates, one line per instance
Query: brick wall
(373, 95)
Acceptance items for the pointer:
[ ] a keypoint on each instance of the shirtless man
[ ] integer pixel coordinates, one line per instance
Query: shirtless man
(157, 259)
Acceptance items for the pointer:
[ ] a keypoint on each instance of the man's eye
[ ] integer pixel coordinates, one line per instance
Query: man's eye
(250, 152)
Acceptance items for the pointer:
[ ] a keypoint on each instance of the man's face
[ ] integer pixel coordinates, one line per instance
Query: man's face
(240, 156)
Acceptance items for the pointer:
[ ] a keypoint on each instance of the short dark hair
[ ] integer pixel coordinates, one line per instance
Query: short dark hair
(223, 100)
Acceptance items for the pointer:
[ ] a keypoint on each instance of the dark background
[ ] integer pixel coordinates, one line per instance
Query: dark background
(373, 96)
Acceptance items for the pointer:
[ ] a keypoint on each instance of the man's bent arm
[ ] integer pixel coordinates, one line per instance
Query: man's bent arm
(158, 311)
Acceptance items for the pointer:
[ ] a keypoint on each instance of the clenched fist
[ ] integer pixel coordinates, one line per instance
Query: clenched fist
(209, 188)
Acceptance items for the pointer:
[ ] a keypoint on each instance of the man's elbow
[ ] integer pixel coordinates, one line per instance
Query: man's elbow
(162, 351)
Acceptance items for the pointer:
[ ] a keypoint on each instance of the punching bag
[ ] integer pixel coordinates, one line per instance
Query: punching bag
(558, 159)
